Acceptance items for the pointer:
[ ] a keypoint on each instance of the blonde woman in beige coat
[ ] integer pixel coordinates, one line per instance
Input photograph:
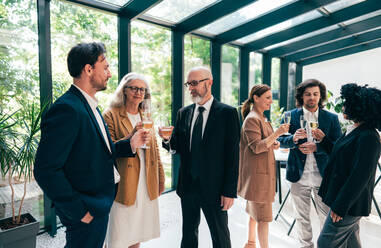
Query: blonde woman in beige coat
(134, 216)
(256, 182)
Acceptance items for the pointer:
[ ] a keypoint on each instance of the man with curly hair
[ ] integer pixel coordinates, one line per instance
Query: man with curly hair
(307, 160)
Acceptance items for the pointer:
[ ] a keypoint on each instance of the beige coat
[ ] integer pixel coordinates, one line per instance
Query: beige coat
(119, 127)
(256, 180)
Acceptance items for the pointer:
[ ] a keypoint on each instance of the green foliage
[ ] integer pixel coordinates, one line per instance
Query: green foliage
(276, 114)
(336, 104)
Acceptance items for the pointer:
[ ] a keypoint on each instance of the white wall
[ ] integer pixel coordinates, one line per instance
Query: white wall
(360, 68)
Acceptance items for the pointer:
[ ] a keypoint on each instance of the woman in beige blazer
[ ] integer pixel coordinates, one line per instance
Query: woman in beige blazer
(256, 182)
(134, 216)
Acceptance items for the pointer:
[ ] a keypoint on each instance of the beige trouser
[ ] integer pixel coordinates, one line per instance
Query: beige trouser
(301, 198)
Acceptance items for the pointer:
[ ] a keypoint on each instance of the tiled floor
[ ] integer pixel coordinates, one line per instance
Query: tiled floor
(170, 218)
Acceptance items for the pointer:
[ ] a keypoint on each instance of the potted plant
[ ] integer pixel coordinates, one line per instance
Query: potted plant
(17, 149)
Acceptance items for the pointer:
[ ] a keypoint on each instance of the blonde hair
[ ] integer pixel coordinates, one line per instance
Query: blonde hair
(257, 90)
(119, 98)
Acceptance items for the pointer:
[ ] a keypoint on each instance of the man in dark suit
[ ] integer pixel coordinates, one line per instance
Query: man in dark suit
(307, 159)
(206, 136)
(74, 163)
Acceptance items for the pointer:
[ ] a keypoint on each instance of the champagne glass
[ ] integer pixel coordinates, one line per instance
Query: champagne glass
(303, 122)
(314, 124)
(167, 131)
(287, 119)
(146, 120)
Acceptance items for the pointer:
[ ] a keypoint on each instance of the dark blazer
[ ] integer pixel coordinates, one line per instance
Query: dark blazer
(328, 123)
(219, 161)
(73, 165)
(348, 181)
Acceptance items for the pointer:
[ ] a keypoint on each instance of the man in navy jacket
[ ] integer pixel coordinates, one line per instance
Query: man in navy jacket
(74, 163)
(307, 159)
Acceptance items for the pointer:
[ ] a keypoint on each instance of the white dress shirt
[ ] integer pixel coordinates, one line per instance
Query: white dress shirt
(311, 175)
(93, 105)
(205, 115)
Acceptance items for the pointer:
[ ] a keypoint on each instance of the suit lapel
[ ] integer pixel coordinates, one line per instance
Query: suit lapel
(322, 120)
(188, 122)
(79, 94)
(299, 113)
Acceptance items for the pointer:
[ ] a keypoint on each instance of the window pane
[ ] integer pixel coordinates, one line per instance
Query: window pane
(151, 57)
(176, 10)
(243, 15)
(19, 91)
(255, 76)
(281, 26)
(230, 75)
(275, 74)
(196, 53)
(72, 24)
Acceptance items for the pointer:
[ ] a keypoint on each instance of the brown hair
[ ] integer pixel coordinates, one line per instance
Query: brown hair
(308, 84)
(257, 90)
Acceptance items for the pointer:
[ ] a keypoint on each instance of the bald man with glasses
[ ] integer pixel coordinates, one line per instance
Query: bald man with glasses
(206, 136)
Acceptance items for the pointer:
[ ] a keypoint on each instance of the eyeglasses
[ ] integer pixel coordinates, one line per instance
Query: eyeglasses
(136, 89)
(195, 82)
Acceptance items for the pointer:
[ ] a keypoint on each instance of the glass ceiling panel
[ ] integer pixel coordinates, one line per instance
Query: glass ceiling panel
(302, 37)
(176, 10)
(119, 3)
(243, 15)
(363, 17)
(335, 6)
(281, 26)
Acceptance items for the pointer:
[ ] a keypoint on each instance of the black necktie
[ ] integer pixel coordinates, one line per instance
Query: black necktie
(196, 144)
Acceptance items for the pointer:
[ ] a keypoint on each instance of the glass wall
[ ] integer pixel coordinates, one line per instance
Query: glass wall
(19, 94)
(275, 82)
(230, 75)
(255, 72)
(151, 57)
(72, 24)
(196, 53)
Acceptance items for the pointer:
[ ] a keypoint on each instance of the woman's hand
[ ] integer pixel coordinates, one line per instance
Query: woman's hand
(335, 217)
(318, 134)
(283, 128)
(276, 145)
(137, 127)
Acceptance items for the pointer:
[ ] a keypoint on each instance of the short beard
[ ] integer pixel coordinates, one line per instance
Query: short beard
(196, 99)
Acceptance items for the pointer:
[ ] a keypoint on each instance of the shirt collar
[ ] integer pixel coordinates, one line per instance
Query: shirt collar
(315, 114)
(206, 105)
(93, 102)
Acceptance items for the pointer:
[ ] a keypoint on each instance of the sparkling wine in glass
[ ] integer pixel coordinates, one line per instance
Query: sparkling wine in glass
(287, 119)
(167, 132)
(314, 124)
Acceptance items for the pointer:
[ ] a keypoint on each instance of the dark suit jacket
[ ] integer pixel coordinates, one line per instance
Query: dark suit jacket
(73, 165)
(348, 182)
(328, 123)
(219, 161)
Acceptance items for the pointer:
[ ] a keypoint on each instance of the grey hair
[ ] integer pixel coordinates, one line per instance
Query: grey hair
(202, 68)
(119, 98)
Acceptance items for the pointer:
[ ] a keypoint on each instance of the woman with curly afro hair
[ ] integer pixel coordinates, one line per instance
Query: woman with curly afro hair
(348, 181)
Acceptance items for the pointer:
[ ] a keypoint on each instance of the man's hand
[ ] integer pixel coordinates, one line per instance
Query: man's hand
(335, 217)
(140, 138)
(318, 134)
(308, 147)
(226, 203)
(299, 134)
(276, 145)
(87, 218)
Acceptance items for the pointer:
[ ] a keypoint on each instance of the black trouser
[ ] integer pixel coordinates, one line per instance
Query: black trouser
(82, 235)
(217, 220)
